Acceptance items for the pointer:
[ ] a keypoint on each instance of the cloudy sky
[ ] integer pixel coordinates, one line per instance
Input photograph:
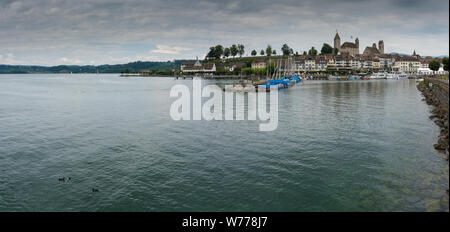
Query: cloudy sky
(51, 32)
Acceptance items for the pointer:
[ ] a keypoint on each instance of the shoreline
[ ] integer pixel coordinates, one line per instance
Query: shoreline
(436, 93)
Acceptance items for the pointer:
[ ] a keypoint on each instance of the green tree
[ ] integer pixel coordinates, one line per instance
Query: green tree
(219, 51)
(326, 49)
(434, 65)
(254, 53)
(269, 50)
(234, 50)
(226, 52)
(312, 51)
(211, 53)
(274, 52)
(304, 53)
(241, 50)
(445, 63)
(215, 52)
(286, 50)
(261, 52)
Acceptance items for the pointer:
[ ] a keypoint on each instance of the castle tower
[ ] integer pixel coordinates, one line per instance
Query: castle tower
(374, 45)
(337, 42)
(381, 46)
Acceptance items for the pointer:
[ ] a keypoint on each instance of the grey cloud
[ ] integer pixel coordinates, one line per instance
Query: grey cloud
(44, 31)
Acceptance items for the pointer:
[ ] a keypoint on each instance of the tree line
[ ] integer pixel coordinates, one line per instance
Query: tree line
(435, 65)
(218, 51)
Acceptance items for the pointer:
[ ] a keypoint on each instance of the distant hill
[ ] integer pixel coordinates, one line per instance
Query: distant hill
(402, 54)
(117, 68)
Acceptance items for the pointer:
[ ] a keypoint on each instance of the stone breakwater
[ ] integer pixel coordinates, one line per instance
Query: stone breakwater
(436, 93)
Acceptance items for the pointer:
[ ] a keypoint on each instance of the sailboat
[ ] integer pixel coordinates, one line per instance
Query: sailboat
(282, 77)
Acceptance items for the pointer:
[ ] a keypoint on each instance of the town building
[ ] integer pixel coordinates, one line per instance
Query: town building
(310, 63)
(346, 61)
(198, 67)
(428, 71)
(259, 64)
(321, 63)
(407, 64)
(376, 64)
(386, 61)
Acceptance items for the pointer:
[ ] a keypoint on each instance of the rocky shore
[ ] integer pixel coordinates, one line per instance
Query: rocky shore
(436, 93)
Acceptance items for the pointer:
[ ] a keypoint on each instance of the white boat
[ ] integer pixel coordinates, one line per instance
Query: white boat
(391, 76)
(379, 76)
(331, 77)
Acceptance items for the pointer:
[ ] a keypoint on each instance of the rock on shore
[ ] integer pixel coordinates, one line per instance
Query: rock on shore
(436, 94)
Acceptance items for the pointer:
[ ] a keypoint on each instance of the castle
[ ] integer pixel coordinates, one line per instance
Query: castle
(353, 48)
(374, 51)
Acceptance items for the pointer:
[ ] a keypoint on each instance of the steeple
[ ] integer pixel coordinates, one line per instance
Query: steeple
(414, 53)
(337, 36)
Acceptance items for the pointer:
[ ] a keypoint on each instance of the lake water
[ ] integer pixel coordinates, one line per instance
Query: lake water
(339, 146)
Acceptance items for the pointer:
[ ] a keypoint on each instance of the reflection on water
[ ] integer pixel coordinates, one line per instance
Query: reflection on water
(339, 146)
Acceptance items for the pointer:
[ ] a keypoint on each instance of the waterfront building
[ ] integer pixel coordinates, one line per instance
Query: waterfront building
(407, 64)
(190, 65)
(331, 62)
(233, 66)
(346, 61)
(299, 64)
(424, 64)
(198, 67)
(376, 64)
(321, 63)
(386, 61)
(367, 62)
(428, 71)
(310, 63)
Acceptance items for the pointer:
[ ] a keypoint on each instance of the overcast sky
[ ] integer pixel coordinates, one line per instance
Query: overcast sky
(52, 32)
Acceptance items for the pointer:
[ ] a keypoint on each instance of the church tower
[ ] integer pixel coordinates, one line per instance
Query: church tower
(337, 42)
(381, 46)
